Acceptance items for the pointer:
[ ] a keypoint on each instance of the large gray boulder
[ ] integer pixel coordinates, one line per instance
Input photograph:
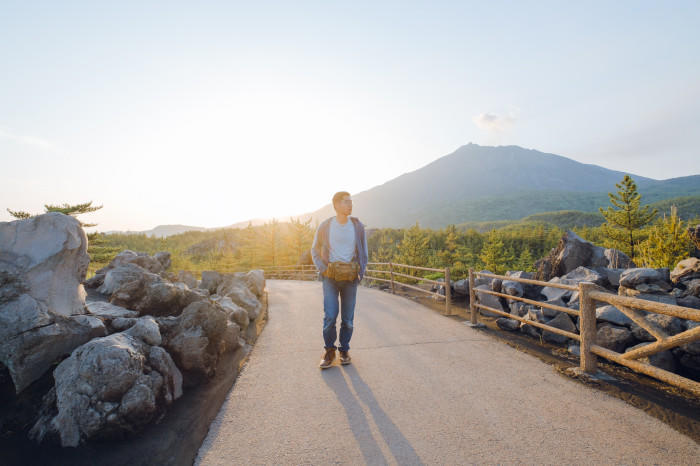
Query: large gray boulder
(688, 355)
(235, 312)
(689, 301)
(508, 324)
(613, 315)
(117, 276)
(237, 289)
(483, 280)
(44, 257)
(584, 274)
(529, 291)
(669, 324)
(614, 338)
(488, 300)
(512, 288)
(108, 311)
(210, 280)
(164, 258)
(663, 360)
(563, 322)
(693, 287)
(255, 279)
(635, 278)
(187, 278)
(686, 270)
(157, 264)
(196, 339)
(552, 293)
(111, 386)
(613, 275)
(461, 287)
(572, 252)
(150, 294)
(43, 261)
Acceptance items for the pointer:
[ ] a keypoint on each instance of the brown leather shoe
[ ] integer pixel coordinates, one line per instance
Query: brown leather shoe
(328, 358)
(345, 358)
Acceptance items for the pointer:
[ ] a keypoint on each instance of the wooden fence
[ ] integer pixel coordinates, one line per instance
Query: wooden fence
(291, 272)
(389, 269)
(631, 307)
(309, 272)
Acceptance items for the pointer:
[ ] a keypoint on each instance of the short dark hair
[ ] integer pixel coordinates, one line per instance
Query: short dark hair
(337, 197)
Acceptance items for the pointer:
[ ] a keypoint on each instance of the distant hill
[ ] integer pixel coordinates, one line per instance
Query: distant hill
(478, 183)
(162, 231)
(688, 209)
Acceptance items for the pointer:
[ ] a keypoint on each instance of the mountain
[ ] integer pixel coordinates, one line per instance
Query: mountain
(482, 183)
(688, 209)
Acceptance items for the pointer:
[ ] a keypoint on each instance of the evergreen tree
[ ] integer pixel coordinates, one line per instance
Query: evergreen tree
(448, 254)
(526, 262)
(299, 239)
(249, 249)
(668, 243)
(382, 246)
(100, 250)
(622, 227)
(494, 254)
(413, 248)
(270, 244)
(67, 209)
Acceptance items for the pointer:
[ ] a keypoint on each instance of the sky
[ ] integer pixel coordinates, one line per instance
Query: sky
(212, 113)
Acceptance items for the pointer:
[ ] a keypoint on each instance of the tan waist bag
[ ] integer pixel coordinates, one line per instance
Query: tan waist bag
(343, 271)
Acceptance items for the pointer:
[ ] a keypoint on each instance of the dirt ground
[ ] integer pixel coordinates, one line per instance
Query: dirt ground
(673, 406)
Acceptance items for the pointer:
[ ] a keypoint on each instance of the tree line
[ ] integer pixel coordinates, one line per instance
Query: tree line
(650, 239)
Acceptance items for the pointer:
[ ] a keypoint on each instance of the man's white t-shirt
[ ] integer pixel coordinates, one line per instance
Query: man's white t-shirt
(341, 239)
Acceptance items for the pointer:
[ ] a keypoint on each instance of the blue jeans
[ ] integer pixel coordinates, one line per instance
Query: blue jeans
(347, 292)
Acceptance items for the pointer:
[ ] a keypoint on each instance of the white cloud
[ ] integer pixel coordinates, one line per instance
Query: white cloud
(9, 135)
(493, 122)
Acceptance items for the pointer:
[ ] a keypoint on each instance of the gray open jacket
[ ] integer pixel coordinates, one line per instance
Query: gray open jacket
(320, 250)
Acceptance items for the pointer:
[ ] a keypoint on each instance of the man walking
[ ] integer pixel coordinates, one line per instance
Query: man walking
(339, 252)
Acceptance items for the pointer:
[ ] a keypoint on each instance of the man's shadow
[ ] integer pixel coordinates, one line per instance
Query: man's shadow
(399, 446)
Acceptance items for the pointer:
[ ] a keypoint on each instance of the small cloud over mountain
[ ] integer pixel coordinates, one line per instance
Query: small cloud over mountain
(494, 122)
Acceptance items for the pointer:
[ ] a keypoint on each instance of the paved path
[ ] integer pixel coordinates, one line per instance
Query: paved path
(423, 389)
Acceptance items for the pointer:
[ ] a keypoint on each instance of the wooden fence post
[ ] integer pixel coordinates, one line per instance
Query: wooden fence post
(448, 292)
(472, 298)
(589, 361)
(391, 272)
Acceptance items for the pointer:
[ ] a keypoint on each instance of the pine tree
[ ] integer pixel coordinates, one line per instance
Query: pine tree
(494, 254)
(270, 243)
(668, 242)
(448, 255)
(526, 262)
(67, 209)
(299, 239)
(622, 227)
(413, 248)
(249, 249)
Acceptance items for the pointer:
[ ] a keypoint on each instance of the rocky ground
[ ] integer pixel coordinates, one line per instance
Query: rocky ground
(80, 369)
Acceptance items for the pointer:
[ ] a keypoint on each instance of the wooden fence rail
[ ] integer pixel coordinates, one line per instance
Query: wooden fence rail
(631, 307)
(370, 275)
(309, 272)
